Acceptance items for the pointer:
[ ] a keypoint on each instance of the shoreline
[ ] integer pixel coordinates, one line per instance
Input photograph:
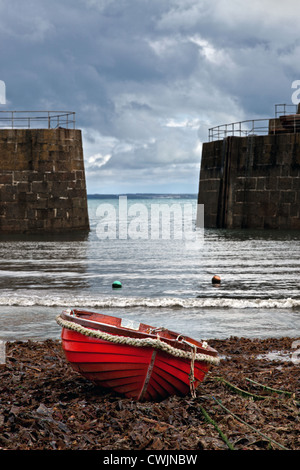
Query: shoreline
(45, 405)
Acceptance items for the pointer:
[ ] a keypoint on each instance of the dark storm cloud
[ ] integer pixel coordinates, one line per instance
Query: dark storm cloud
(148, 78)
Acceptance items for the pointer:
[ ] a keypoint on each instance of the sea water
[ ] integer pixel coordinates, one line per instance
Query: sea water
(166, 276)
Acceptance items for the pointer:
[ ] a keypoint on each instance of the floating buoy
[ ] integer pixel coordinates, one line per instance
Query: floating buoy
(116, 285)
(216, 280)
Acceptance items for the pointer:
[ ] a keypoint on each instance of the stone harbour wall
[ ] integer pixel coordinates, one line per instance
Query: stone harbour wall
(251, 182)
(42, 181)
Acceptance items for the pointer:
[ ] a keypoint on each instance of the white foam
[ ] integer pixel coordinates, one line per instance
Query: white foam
(155, 302)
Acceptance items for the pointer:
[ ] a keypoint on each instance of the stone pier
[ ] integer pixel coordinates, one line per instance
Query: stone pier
(253, 181)
(42, 181)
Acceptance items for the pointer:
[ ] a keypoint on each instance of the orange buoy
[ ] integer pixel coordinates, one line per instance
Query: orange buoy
(216, 280)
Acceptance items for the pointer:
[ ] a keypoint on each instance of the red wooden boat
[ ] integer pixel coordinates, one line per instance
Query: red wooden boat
(135, 360)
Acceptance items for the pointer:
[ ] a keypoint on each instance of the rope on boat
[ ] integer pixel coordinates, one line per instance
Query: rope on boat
(139, 342)
(191, 374)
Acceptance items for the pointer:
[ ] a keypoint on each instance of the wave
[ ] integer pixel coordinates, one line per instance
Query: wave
(156, 302)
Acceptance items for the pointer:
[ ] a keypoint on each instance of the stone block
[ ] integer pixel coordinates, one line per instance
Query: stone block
(274, 196)
(39, 187)
(6, 178)
(78, 202)
(23, 187)
(31, 213)
(261, 183)
(295, 223)
(239, 183)
(44, 213)
(15, 211)
(35, 225)
(283, 210)
(271, 223)
(19, 176)
(254, 221)
(285, 183)
(13, 225)
(76, 165)
(46, 167)
(211, 184)
(287, 197)
(66, 175)
(238, 209)
(7, 193)
(295, 210)
(35, 176)
(237, 221)
(240, 196)
(62, 166)
(271, 183)
(31, 198)
(40, 203)
(296, 155)
(296, 183)
(250, 183)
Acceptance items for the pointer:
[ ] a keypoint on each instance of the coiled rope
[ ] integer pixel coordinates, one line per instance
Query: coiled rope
(139, 342)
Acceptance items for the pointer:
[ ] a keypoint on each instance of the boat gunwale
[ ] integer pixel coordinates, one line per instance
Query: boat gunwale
(122, 331)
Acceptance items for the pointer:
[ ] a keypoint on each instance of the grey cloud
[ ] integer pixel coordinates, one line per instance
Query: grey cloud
(140, 74)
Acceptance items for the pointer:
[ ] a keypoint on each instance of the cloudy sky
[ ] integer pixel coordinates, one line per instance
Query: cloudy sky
(147, 78)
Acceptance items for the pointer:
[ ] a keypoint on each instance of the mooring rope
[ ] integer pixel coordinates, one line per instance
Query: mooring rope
(139, 342)
(191, 374)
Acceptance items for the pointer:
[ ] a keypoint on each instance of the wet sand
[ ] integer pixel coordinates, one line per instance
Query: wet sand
(45, 405)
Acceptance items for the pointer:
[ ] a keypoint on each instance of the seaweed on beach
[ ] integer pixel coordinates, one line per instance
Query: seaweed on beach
(247, 402)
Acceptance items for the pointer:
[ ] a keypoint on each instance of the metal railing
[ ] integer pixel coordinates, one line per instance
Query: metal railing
(252, 126)
(37, 119)
(284, 109)
(240, 129)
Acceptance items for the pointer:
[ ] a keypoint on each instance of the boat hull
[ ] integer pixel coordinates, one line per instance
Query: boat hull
(141, 373)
